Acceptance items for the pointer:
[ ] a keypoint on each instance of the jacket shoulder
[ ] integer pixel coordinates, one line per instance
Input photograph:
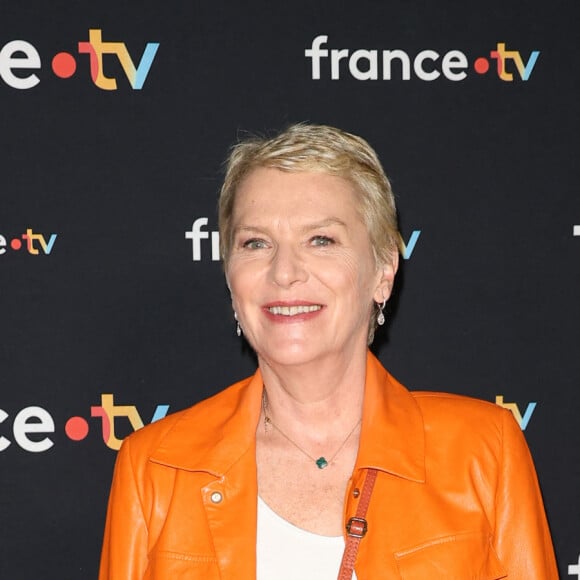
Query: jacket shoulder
(204, 415)
(451, 401)
(459, 413)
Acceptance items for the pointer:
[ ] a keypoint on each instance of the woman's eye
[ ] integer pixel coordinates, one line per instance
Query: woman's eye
(254, 244)
(321, 241)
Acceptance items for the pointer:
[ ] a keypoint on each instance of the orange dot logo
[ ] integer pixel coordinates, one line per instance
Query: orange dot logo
(481, 65)
(64, 65)
(76, 428)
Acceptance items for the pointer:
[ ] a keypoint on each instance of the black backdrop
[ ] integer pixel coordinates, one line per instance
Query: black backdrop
(105, 185)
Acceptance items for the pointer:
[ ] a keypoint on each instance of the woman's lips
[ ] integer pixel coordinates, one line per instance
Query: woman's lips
(292, 311)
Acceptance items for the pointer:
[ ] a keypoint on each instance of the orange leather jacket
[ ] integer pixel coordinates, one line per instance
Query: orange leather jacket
(456, 496)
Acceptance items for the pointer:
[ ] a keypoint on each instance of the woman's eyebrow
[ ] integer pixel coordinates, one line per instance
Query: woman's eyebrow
(248, 228)
(305, 228)
(331, 221)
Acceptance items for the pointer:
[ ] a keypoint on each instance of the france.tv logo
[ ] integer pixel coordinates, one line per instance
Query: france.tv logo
(19, 57)
(429, 65)
(33, 242)
(39, 423)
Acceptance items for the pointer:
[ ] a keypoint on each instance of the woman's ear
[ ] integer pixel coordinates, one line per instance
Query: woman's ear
(387, 278)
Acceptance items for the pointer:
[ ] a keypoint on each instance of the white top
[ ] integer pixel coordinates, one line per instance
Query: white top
(285, 552)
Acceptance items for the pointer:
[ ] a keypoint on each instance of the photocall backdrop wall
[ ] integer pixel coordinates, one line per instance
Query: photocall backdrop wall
(116, 118)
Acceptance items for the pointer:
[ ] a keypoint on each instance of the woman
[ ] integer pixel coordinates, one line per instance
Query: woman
(261, 479)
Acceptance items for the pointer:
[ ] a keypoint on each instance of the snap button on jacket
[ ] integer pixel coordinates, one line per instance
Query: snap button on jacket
(456, 497)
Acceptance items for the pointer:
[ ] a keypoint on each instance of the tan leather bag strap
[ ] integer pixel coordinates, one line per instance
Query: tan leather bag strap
(357, 527)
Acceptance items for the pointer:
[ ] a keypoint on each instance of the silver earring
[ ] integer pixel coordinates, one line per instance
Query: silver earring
(238, 327)
(380, 315)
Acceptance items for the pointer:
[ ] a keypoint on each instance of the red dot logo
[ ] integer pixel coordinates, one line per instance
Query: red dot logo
(76, 428)
(16, 244)
(64, 65)
(481, 65)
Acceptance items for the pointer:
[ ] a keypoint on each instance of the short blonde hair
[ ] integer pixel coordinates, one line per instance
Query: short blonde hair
(305, 147)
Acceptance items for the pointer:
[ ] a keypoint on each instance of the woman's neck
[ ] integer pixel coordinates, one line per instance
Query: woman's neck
(325, 396)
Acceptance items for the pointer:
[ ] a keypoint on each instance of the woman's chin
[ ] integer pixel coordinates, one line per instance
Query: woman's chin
(290, 353)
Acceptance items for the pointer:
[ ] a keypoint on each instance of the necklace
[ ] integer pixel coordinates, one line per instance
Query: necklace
(321, 462)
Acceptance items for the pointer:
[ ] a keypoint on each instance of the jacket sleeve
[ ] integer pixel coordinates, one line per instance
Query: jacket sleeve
(124, 555)
(522, 537)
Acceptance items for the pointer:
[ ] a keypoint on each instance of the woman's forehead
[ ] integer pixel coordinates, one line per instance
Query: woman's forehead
(267, 189)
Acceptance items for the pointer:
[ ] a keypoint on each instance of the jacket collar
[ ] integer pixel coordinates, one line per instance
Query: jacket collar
(392, 433)
(214, 435)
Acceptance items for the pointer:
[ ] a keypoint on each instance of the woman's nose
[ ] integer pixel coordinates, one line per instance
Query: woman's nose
(287, 267)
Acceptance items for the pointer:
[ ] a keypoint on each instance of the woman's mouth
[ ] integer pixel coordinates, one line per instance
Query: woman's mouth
(293, 310)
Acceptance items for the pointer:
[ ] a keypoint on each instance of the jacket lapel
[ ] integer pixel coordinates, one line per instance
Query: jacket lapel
(392, 434)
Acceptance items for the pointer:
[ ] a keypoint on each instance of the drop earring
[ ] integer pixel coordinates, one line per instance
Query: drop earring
(238, 327)
(380, 315)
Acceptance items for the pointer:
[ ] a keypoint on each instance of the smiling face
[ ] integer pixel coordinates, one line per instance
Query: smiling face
(301, 270)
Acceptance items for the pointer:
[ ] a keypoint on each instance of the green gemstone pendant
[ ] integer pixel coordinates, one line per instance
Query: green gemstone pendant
(321, 463)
